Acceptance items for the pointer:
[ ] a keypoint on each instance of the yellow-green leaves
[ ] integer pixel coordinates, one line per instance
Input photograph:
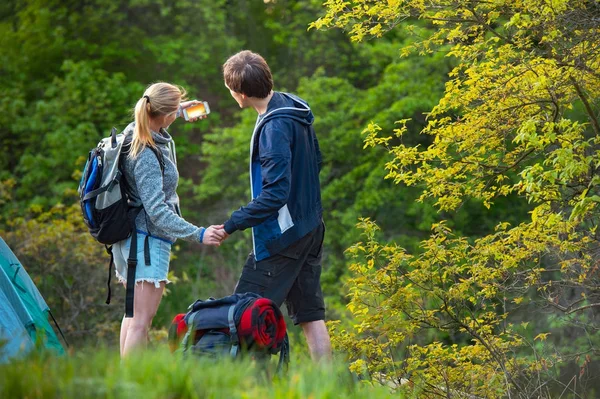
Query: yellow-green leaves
(365, 18)
(519, 118)
(505, 103)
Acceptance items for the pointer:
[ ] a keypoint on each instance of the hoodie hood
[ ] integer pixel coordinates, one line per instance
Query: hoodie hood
(285, 105)
(163, 137)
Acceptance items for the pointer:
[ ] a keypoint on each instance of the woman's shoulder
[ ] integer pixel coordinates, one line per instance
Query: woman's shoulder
(147, 155)
(145, 158)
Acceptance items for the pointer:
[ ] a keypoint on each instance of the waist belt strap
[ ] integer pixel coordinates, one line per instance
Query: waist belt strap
(112, 261)
(147, 250)
(131, 265)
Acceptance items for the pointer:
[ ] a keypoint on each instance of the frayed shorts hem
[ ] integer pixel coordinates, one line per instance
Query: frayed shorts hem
(155, 281)
(155, 272)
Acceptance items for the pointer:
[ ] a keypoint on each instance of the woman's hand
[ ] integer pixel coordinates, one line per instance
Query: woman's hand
(214, 235)
(187, 104)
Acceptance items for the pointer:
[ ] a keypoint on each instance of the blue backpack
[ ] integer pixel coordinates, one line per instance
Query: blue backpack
(104, 205)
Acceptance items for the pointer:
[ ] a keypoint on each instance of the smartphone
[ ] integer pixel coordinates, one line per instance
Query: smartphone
(196, 111)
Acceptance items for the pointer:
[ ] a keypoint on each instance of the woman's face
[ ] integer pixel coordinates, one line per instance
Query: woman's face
(168, 119)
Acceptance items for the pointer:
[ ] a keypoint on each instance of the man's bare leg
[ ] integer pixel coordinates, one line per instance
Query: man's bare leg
(318, 340)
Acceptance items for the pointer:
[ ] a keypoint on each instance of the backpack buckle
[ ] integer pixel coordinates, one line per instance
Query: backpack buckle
(131, 262)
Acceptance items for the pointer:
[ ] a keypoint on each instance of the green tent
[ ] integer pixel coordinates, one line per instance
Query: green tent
(24, 313)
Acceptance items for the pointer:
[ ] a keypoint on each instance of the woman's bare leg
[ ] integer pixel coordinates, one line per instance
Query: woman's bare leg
(145, 304)
(124, 327)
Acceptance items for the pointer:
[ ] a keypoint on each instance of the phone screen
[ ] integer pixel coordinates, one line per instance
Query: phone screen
(196, 111)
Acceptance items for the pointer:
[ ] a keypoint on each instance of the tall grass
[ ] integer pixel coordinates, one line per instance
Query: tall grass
(157, 373)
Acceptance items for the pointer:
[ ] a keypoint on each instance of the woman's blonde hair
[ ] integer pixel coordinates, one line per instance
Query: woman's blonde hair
(159, 99)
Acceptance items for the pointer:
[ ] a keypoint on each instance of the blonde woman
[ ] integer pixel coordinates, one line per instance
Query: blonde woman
(151, 175)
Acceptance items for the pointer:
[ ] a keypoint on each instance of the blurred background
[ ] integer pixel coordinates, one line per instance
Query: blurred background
(71, 70)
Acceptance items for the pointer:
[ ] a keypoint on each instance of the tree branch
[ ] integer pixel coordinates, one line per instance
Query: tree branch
(588, 108)
(593, 305)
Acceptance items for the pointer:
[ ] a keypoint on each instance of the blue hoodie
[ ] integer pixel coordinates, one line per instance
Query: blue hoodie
(285, 161)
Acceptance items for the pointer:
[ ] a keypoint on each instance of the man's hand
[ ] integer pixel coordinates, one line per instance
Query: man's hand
(222, 231)
(187, 104)
(214, 235)
(225, 235)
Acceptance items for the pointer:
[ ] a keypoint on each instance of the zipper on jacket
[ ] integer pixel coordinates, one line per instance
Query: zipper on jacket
(258, 119)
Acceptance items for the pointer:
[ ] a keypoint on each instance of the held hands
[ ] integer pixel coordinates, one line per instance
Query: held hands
(214, 235)
(187, 104)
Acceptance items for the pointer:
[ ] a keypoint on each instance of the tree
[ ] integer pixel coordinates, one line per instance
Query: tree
(519, 117)
(67, 82)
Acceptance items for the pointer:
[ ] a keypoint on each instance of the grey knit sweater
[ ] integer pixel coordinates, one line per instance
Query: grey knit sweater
(156, 191)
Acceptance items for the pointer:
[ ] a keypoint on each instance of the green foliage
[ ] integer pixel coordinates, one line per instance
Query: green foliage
(503, 128)
(75, 111)
(69, 82)
(157, 374)
(71, 71)
(515, 131)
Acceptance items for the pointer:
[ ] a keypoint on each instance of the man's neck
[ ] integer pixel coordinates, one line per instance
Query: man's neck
(261, 104)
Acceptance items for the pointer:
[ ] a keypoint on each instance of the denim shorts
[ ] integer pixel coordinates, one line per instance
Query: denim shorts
(158, 269)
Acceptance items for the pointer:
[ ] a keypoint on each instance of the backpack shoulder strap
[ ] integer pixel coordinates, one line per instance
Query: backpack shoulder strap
(159, 155)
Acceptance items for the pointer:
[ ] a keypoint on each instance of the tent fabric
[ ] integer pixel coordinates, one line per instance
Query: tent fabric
(14, 338)
(25, 308)
(14, 299)
(7, 253)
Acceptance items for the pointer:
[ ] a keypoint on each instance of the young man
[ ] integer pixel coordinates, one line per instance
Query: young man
(285, 213)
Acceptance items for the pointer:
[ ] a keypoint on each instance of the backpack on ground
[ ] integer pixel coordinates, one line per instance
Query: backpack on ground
(103, 199)
(238, 325)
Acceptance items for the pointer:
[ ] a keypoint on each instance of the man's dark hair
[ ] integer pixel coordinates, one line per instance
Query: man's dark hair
(248, 73)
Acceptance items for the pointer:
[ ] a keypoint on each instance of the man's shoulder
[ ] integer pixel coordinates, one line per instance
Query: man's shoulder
(286, 113)
(278, 126)
(291, 96)
(282, 99)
